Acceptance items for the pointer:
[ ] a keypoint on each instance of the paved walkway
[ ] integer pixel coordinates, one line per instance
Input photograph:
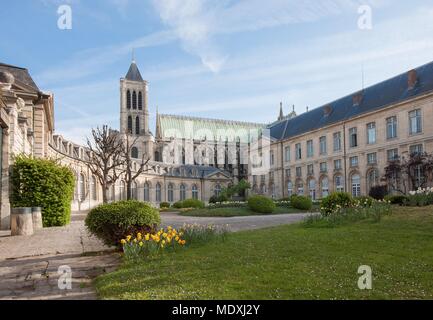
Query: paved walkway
(29, 265)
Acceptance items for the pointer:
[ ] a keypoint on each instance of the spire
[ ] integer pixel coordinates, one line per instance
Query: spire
(133, 72)
(281, 116)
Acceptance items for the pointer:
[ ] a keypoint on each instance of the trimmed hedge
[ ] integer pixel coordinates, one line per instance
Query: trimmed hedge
(330, 203)
(164, 205)
(192, 203)
(114, 221)
(261, 204)
(43, 183)
(218, 199)
(301, 202)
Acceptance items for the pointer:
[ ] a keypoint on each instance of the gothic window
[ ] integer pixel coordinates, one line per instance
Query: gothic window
(158, 192)
(137, 125)
(122, 190)
(195, 192)
(81, 187)
(170, 193)
(93, 188)
(140, 101)
(129, 124)
(134, 100)
(134, 153)
(146, 192)
(134, 190)
(128, 99)
(182, 192)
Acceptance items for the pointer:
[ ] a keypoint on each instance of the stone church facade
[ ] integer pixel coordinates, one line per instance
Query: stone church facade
(342, 146)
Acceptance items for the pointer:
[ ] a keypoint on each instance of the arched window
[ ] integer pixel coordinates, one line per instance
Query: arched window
(325, 187)
(129, 124)
(170, 193)
(137, 125)
(128, 99)
(289, 188)
(81, 187)
(146, 192)
(194, 192)
(356, 185)
(300, 188)
(217, 190)
(312, 189)
(93, 195)
(158, 192)
(134, 190)
(134, 153)
(122, 190)
(372, 179)
(140, 101)
(134, 100)
(339, 184)
(182, 192)
(263, 188)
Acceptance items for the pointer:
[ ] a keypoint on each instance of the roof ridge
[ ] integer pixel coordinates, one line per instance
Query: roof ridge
(11, 66)
(211, 119)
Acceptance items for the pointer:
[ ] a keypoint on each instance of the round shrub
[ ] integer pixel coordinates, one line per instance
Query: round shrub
(397, 199)
(335, 200)
(301, 203)
(365, 201)
(178, 205)
(378, 192)
(164, 205)
(192, 203)
(46, 184)
(114, 221)
(261, 204)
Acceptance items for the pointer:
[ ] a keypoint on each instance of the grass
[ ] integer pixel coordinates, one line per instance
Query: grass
(235, 212)
(292, 262)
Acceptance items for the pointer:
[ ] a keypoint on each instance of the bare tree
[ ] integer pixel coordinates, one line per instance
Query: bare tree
(105, 157)
(130, 175)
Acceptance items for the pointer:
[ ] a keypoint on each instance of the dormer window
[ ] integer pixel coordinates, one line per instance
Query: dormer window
(357, 99)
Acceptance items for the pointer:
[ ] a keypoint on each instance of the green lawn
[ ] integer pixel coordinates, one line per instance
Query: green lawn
(234, 212)
(292, 262)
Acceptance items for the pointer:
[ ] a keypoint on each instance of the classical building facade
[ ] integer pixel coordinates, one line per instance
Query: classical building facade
(345, 145)
(342, 146)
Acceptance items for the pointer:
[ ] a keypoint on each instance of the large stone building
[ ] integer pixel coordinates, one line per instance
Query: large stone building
(343, 145)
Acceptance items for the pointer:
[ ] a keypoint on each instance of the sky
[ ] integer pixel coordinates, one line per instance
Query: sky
(225, 59)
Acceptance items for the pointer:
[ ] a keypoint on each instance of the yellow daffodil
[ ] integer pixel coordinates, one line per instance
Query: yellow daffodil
(123, 241)
(147, 237)
(140, 244)
(128, 238)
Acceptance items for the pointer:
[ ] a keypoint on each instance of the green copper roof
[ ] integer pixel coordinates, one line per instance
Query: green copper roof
(182, 127)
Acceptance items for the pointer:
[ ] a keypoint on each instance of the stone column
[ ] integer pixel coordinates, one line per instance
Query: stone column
(5, 208)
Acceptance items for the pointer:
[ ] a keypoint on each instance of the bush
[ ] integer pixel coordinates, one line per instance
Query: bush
(43, 183)
(335, 201)
(261, 204)
(218, 199)
(178, 205)
(164, 205)
(115, 221)
(193, 203)
(378, 192)
(301, 203)
(397, 199)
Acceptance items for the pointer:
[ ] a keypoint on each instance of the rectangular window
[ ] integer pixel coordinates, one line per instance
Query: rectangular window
(354, 161)
(415, 122)
(254, 179)
(272, 158)
(371, 133)
(392, 154)
(337, 164)
(391, 128)
(310, 150)
(310, 169)
(324, 167)
(287, 154)
(416, 149)
(323, 147)
(298, 151)
(353, 137)
(271, 176)
(288, 173)
(298, 172)
(337, 141)
(372, 158)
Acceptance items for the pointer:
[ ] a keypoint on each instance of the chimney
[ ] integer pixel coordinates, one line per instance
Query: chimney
(281, 116)
(307, 108)
(412, 79)
(357, 99)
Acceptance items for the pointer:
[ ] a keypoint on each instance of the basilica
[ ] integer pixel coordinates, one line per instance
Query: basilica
(343, 145)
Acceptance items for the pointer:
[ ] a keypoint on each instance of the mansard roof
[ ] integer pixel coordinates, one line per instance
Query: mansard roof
(387, 93)
(21, 75)
(183, 127)
(133, 73)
